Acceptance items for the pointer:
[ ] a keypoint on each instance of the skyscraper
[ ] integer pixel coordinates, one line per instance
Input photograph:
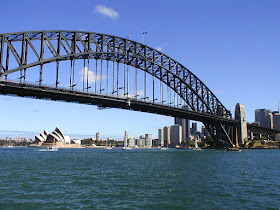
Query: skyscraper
(185, 123)
(97, 136)
(263, 117)
(148, 140)
(269, 120)
(126, 136)
(175, 135)
(166, 135)
(276, 120)
(194, 127)
(204, 131)
(160, 136)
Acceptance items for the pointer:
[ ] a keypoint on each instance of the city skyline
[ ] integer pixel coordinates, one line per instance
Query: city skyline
(240, 50)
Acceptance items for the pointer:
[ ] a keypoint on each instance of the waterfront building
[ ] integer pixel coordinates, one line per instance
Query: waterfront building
(175, 135)
(148, 140)
(131, 142)
(97, 136)
(204, 131)
(263, 117)
(160, 136)
(194, 127)
(126, 136)
(56, 136)
(276, 120)
(157, 143)
(166, 135)
(269, 120)
(185, 123)
(140, 142)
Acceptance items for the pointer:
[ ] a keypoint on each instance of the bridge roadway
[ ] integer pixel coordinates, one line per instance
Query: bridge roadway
(105, 101)
(63, 94)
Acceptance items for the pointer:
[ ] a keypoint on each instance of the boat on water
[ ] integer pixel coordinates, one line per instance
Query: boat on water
(108, 147)
(48, 149)
(52, 148)
(235, 149)
(164, 148)
(126, 148)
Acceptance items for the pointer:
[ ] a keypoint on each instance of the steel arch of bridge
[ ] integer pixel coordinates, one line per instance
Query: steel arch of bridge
(71, 45)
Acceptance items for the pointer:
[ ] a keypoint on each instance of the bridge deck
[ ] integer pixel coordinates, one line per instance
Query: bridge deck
(60, 94)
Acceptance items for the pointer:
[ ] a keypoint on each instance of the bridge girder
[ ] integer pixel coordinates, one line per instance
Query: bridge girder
(66, 45)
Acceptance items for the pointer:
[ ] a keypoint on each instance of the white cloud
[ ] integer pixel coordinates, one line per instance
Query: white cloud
(91, 76)
(107, 11)
(159, 48)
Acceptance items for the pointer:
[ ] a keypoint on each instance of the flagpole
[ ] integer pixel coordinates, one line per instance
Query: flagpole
(143, 36)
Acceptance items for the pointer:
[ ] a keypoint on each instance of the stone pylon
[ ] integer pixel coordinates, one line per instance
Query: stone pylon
(240, 116)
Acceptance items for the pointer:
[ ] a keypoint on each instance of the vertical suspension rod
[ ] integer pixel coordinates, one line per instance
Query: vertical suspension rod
(95, 75)
(101, 65)
(71, 67)
(113, 87)
(153, 78)
(118, 66)
(87, 73)
(22, 55)
(25, 60)
(124, 78)
(42, 57)
(73, 72)
(107, 77)
(84, 69)
(7, 61)
(127, 75)
(57, 62)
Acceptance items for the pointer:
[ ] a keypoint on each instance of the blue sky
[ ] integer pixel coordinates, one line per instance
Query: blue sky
(232, 46)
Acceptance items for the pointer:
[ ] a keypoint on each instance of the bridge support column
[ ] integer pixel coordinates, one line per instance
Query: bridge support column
(222, 134)
(251, 135)
(240, 116)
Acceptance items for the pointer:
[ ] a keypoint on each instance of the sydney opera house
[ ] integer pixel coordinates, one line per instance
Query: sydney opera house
(56, 137)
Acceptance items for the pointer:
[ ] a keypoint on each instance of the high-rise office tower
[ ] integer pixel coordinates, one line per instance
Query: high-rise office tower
(194, 127)
(131, 141)
(160, 136)
(175, 135)
(204, 131)
(263, 117)
(276, 120)
(166, 135)
(126, 137)
(269, 120)
(97, 136)
(148, 140)
(185, 123)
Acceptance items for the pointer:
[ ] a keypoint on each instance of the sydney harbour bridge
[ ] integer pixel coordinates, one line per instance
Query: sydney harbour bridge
(110, 71)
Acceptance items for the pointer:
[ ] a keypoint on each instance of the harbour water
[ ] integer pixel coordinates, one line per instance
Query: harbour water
(139, 179)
